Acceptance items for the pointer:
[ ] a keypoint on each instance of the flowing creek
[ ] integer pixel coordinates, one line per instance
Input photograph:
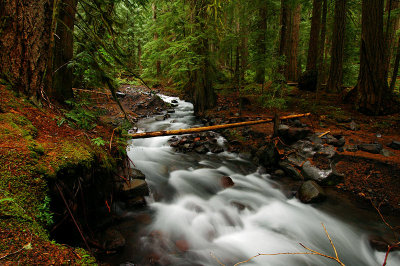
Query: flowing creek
(195, 221)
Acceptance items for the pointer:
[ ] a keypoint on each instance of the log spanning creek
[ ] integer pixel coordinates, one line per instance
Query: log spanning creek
(193, 220)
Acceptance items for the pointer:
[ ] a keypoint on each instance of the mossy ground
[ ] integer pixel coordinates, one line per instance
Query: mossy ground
(33, 149)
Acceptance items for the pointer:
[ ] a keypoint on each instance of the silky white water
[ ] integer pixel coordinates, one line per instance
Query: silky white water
(231, 225)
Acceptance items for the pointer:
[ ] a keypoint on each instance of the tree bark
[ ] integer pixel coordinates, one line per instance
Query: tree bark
(320, 61)
(392, 25)
(395, 68)
(337, 51)
(373, 95)
(292, 42)
(313, 45)
(261, 44)
(24, 44)
(63, 52)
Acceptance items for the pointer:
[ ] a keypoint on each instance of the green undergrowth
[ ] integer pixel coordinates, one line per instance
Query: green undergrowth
(28, 163)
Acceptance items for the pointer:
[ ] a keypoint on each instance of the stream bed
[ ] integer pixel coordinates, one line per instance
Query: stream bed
(191, 219)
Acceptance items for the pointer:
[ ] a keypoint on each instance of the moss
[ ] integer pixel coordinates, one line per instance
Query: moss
(18, 125)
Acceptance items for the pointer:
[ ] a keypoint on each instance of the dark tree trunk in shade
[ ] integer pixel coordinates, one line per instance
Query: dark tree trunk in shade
(373, 94)
(337, 51)
(395, 68)
(199, 88)
(63, 52)
(292, 43)
(321, 63)
(261, 44)
(392, 24)
(24, 44)
(313, 45)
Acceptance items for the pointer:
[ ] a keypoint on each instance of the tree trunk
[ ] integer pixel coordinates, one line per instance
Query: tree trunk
(199, 86)
(391, 27)
(292, 42)
(373, 95)
(24, 44)
(336, 68)
(320, 61)
(261, 44)
(395, 68)
(158, 63)
(63, 52)
(313, 45)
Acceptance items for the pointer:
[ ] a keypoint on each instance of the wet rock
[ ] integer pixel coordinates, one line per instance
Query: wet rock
(134, 188)
(327, 151)
(371, 148)
(394, 145)
(344, 119)
(279, 172)
(290, 170)
(268, 155)
(311, 192)
(170, 111)
(296, 159)
(182, 245)
(174, 101)
(311, 172)
(386, 153)
(262, 170)
(159, 118)
(216, 149)
(381, 244)
(305, 148)
(120, 94)
(227, 182)
(137, 174)
(315, 139)
(201, 149)
(351, 148)
(136, 202)
(113, 239)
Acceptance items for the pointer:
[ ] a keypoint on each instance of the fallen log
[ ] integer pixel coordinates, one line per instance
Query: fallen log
(209, 128)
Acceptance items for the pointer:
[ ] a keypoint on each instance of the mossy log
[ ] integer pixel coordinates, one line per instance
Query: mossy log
(209, 128)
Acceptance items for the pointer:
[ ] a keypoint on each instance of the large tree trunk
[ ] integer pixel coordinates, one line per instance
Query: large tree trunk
(199, 87)
(336, 69)
(313, 44)
(392, 25)
(261, 44)
(24, 44)
(321, 61)
(158, 63)
(373, 94)
(292, 42)
(63, 52)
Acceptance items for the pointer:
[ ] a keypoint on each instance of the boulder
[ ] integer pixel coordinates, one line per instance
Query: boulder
(227, 182)
(170, 111)
(268, 155)
(311, 192)
(374, 148)
(201, 149)
(351, 148)
(135, 188)
(394, 145)
(311, 172)
(113, 239)
(137, 174)
(290, 170)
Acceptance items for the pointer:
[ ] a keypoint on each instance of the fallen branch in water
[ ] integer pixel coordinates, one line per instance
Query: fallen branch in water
(210, 128)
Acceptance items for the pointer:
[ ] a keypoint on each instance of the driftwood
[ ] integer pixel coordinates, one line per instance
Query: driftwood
(210, 128)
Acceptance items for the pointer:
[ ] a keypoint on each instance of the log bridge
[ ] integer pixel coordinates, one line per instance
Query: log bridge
(209, 128)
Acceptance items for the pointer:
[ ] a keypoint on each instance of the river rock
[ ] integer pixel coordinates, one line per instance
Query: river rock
(136, 202)
(311, 192)
(351, 148)
(386, 153)
(135, 188)
(137, 174)
(216, 149)
(227, 182)
(170, 111)
(201, 149)
(293, 134)
(290, 170)
(113, 239)
(279, 172)
(268, 155)
(394, 145)
(311, 172)
(371, 148)
(174, 101)
(354, 126)
(160, 118)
